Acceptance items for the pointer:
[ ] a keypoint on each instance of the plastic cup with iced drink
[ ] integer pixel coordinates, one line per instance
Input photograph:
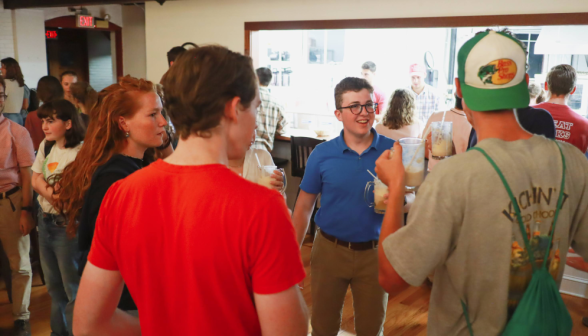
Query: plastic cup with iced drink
(441, 139)
(265, 179)
(413, 158)
(380, 189)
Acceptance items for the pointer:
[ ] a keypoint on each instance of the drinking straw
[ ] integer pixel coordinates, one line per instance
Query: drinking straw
(258, 162)
(426, 134)
(372, 174)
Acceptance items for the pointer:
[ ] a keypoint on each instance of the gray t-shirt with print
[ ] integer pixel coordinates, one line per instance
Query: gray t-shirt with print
(462, 226)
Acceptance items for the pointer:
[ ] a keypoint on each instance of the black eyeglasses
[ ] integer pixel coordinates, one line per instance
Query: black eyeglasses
(357, 109)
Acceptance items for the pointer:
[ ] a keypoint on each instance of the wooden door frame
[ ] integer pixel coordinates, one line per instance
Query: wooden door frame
(69, 22)
(553, 19)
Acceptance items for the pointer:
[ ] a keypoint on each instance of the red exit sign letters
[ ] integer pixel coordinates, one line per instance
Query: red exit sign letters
(51, 34)
(84, 21)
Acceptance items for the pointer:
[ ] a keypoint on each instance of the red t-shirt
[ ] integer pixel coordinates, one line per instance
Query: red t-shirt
(380, 98)
(35, 127)
(569, 125)
(193, 243)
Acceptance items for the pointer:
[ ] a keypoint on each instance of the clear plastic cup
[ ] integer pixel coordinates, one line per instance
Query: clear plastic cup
(380, 189)
(265, 179)
(441, 139)
(413, 158)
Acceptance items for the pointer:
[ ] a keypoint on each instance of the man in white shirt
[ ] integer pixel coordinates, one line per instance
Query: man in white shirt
(427, 98)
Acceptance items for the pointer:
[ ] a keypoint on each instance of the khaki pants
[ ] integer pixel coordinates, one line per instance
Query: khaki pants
(333, 269)
(17, 250)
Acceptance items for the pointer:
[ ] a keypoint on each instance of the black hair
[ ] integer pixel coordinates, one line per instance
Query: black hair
(264, 75)
(458, 104)
(173, 53)
(64, 110)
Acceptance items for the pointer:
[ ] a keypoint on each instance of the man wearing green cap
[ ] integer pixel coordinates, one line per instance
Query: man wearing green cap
(463, 225)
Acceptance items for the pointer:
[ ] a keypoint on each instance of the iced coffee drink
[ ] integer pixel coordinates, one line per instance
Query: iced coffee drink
(441, 139)
(265, 179)
(413, 158)
(380, 190)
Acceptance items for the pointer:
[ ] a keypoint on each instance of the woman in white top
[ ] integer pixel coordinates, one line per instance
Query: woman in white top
(399, 121)
(15, 102)
(64, 133)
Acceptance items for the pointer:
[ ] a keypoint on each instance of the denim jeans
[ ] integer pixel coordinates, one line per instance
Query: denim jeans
(59, 262)
(16, 117)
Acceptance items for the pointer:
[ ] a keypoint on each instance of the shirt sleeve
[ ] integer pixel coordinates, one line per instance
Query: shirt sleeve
(579, 238)
(102, 253)
(282, 121)
(38, 165)
(276, 264)
(25, 154)
(312, 181)
(425, 242)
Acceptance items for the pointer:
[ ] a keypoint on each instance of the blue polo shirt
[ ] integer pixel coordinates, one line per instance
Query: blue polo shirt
(340, 175)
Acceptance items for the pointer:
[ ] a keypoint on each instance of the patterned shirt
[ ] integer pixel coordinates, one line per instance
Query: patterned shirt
(270, 121)
(427, 102)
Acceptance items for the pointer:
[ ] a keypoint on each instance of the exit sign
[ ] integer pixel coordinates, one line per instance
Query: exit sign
(84, 21)
(51, 34)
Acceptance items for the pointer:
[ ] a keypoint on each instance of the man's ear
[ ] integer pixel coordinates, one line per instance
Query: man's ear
(458, 88)
(231, 109)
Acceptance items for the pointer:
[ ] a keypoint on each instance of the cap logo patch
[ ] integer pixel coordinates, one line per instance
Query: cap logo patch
(498, 72)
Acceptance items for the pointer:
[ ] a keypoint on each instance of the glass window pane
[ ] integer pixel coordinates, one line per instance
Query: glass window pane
(575, 101)
(335, 45)
(316, 47)
(535, 62)
(534, 37)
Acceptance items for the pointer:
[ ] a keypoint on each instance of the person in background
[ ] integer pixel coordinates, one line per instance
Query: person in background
(211, 96)
(368, 72)
(270, 115)
(49, 88)
(15, 102)
(172, 55)
(570, 126)
(16, 220)
(85, 98)
(536, 93)
(461, 129)
(26, 98)
(126, 121)
(427, 98)
(344, 252)
(473, 241)
(64, 134)
(399, 120)
(67, 78)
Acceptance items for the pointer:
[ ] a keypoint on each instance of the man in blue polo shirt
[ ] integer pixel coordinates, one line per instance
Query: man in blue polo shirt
(345, 251)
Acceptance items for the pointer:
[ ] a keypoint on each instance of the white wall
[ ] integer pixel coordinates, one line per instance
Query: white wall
(29, 40)
(6, 35)
(222, 21)
(134, 44)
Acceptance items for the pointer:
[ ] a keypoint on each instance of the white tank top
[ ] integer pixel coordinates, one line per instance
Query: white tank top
(15, 98)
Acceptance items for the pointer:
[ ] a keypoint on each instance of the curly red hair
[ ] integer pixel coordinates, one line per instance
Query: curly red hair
(104, 138)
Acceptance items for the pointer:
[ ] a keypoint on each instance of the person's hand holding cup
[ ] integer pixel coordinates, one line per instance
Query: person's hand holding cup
(390, 169)
(278, 179)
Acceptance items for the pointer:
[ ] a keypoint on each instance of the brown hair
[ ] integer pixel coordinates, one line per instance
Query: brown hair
(64, 110)
(561, 80)
(104, 139)
(400, 111)
(3, 84)
(13, 71)
(49, 88)
(85, 94)
(535, 91)
(201, 82)
(354, 84)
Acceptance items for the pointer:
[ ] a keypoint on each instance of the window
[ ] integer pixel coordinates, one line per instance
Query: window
(575, 101)
(535, 61)
(334, 40)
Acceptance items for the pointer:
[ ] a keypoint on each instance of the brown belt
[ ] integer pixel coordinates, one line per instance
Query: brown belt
(372, 244)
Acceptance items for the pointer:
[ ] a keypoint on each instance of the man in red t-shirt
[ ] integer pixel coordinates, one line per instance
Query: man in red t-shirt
(569, 125)
(368, 72)
(202, 250)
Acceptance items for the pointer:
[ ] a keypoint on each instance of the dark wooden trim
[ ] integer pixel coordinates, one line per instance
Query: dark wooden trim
(17, 4)
(69, 22)
(247, 51)
(553, 19)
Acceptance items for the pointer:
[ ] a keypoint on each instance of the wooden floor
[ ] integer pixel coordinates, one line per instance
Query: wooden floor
(406, 315)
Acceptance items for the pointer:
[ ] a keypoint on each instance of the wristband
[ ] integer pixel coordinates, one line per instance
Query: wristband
(27, 208)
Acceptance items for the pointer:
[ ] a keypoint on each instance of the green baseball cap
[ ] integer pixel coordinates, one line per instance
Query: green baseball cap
(491, 68)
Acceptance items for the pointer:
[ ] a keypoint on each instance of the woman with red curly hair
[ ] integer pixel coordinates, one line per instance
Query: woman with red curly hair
(125, 122)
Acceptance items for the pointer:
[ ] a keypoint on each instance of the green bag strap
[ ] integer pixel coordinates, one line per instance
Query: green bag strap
(520, 219)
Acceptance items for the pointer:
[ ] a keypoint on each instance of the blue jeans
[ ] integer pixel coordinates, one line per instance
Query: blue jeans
(16, 117)
(59, 261)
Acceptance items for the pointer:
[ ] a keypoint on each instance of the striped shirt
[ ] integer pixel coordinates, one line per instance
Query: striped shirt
(270, 120)
(427, 102)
